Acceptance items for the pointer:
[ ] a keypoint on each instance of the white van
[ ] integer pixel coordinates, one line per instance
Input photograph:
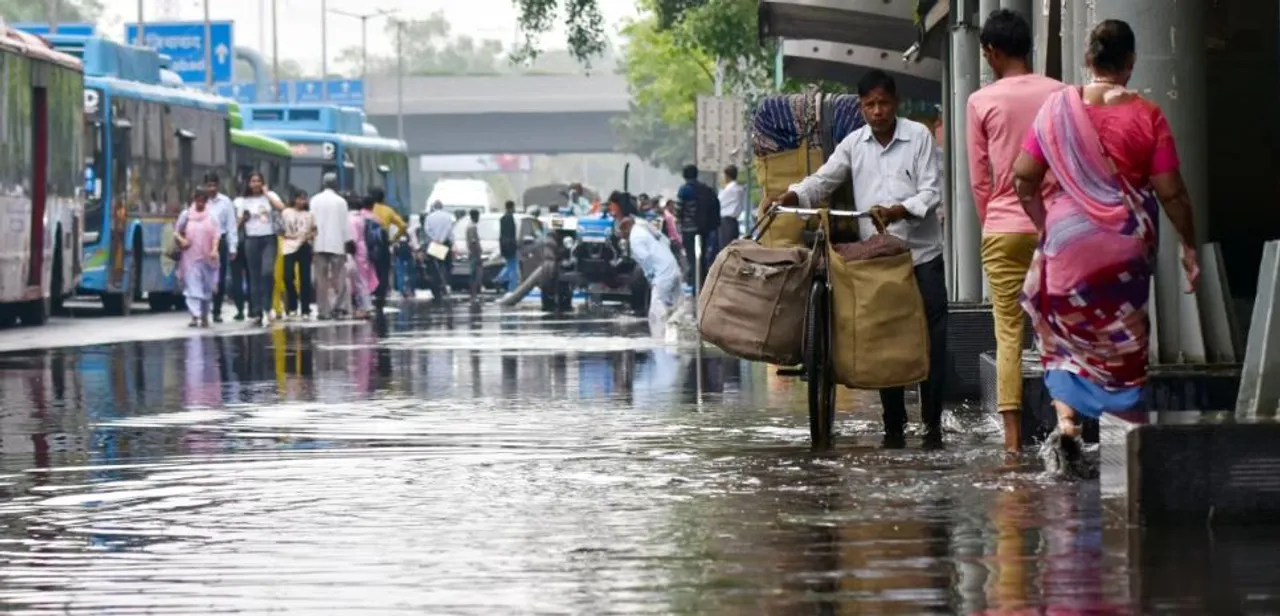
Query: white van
(464, 195)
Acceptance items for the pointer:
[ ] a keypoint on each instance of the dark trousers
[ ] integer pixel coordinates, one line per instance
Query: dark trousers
(710, 246)
(297, 280)
(220, 290)
(728, 231)
(261, 266)
(932, 280)
(382, 267)
(240, 278)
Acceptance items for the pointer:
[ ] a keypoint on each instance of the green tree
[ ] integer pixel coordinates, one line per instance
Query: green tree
(69, 11)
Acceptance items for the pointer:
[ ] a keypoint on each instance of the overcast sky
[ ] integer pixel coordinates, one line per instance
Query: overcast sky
(299, 29)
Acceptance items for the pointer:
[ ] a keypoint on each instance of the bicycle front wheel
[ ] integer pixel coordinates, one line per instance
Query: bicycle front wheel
(818, 368)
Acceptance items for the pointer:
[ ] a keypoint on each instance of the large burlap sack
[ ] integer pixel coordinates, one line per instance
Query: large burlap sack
(880, 336)
(753, 303)
(777, 172)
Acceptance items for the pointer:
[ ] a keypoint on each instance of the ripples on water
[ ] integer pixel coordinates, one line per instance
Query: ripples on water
(510, 464)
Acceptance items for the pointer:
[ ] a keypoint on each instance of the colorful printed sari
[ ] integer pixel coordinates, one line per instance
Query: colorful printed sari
(1090, 280)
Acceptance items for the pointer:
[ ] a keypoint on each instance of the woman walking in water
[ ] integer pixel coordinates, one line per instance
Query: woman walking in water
(1088, 286)
(198, 236)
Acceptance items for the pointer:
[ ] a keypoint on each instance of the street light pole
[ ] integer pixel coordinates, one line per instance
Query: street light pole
(400, 79)
(364, 34)
(208, 48)
(52, 9)
(275, 51)
(142, 26)
(324, 49)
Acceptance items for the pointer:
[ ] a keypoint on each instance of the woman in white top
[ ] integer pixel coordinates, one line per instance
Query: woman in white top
(260, 210)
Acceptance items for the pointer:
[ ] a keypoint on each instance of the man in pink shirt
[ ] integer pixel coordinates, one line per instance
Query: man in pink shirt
(999, 117)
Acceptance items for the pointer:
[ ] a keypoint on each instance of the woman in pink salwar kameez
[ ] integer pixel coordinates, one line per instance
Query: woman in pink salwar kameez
(198, 270)
(362, 278)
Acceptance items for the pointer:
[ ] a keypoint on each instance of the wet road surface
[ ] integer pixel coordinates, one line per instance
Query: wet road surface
(459, 462)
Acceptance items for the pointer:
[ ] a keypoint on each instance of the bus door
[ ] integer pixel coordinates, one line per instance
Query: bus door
(39, 176)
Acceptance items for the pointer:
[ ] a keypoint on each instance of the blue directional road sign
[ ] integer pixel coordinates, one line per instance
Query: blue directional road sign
(346, 92)
(74, 29)
(184, 43)
(246, 93)
(308, 91)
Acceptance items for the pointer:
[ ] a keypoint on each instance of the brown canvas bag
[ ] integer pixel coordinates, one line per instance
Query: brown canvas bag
(753, 303)
(880, 337)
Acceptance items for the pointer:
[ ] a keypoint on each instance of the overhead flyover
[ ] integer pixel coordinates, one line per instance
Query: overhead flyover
(841, 40)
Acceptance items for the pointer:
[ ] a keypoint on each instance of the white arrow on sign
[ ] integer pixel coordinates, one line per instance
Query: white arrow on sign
(311, 87)
(346, 87)
(221, 52)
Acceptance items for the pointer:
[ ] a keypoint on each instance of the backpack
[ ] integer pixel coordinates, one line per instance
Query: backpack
(375, 240)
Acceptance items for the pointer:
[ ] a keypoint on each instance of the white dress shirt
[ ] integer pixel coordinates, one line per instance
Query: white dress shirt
(905, 172)
(653, 257)
(733, 200)
(332, 229)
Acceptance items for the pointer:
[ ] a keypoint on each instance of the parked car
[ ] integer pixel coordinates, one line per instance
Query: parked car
(490, 228)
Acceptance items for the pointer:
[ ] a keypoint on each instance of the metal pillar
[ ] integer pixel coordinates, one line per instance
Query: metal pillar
(1260, 376)
(275, 52)
(324, 49)
(142, 26)
(208, 48)
(51, 15)
(967, 233)
(949, 186)
(1081, 26)
(400, 80)
(985, 8)
(1067, 34)
(1170, 71)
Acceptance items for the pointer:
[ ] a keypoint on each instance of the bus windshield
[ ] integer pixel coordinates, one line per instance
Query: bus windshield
(94, 177)
(308, 176)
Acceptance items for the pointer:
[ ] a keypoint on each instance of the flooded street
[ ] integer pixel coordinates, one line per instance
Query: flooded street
(491, 462)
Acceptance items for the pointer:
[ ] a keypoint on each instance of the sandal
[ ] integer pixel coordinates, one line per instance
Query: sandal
(194, 322)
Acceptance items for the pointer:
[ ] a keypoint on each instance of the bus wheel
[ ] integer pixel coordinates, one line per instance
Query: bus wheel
(35, 313)
(160, 302)
(7, 317)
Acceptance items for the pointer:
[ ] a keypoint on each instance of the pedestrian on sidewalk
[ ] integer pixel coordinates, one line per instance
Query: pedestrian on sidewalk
(999, 117)
(261, 210)
(733, 201)
(299, 233)
(223, 211)
(1116, 165)
(361, 276)
(199, 235)
(332, 241)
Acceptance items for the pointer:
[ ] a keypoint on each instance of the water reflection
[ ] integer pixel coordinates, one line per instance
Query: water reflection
(562, 467)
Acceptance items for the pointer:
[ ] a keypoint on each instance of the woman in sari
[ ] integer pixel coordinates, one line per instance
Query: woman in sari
(198, 237)
(1112, 155)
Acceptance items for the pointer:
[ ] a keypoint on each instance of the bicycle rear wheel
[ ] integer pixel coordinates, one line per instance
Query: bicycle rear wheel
(818, 368)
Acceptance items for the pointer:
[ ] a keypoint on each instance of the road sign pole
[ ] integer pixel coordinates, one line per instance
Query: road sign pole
(208, 48)
(275, 51)
(142, 25)
(400, 79)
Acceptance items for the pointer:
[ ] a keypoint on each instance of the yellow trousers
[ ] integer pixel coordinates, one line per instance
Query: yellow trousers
(1006, 257)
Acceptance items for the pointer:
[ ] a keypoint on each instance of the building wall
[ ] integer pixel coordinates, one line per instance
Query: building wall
(1243, 84)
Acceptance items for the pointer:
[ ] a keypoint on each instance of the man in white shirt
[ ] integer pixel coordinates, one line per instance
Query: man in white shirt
(733, 200)
(660, 268)
(332, 243)
(896, 175)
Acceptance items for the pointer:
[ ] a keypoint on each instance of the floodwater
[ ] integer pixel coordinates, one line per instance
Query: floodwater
(461, 462)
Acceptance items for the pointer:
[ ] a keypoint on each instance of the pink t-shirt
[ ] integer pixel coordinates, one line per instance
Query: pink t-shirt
(999, 117)
(1135, 134)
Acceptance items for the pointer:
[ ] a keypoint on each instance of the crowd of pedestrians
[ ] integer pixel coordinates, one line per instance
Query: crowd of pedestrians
(330, 250)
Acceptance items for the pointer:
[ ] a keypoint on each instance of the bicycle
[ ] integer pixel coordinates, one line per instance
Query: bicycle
(817, 344)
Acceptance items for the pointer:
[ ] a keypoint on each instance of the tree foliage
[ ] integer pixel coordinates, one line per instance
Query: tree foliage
(69, 11)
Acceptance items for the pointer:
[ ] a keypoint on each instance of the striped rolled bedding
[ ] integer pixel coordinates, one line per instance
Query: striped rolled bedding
(781, 123)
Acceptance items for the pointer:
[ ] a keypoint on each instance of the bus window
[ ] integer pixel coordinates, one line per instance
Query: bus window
(186, 164)
(121, 152)
(94, 178)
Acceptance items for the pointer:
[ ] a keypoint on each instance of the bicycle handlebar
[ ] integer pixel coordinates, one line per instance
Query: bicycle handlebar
(802, 211)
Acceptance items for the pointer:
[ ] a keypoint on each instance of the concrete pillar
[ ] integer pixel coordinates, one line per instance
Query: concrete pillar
(1170, 71)
(967, 233)
(948, 189)
(1080, 28)
(1022, 7)
(985, 8)
(1067, 33)
(1260, 376)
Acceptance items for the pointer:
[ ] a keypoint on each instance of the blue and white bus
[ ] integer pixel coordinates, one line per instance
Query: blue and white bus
(148, 146)
(328, 138)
